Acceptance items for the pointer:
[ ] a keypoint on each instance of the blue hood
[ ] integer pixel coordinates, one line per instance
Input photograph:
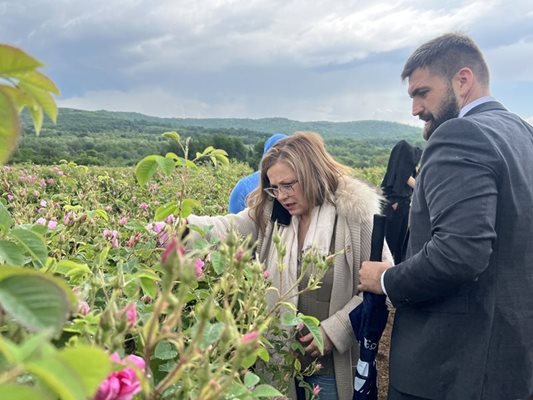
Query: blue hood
(273, 140)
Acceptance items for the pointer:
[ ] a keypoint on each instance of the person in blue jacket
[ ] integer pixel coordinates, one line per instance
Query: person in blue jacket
(239, 194)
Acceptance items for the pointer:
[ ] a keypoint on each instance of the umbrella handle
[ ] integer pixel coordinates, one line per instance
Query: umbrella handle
(378, 237)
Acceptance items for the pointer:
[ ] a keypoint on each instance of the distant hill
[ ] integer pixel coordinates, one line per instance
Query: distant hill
(73, 120)
(123, 138)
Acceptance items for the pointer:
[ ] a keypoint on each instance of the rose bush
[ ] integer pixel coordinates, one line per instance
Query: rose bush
(122, 384)
(92, 264)
(111, 280)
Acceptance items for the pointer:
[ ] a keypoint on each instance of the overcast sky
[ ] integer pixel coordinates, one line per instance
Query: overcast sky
(336, 60)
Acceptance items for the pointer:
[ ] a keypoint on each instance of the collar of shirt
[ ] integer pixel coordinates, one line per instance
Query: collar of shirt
(475, 103)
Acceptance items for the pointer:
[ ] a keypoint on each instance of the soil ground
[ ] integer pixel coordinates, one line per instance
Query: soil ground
(383, 359)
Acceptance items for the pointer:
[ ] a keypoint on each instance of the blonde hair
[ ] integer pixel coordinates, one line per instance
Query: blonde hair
(317, 172)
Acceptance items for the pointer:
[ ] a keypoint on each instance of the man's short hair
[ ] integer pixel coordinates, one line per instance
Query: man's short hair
(447, 54)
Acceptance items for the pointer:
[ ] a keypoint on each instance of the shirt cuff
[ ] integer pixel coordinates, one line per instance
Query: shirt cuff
(383, 283)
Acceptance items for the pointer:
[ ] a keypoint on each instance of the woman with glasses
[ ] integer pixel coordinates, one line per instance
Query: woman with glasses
(313, 201)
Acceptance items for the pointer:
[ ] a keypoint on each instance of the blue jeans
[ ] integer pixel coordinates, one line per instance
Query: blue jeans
(327, 383)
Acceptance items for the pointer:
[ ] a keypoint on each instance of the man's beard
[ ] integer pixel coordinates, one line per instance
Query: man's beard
(449, 108)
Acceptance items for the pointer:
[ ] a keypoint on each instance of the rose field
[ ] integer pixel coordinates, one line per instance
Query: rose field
(100, 299)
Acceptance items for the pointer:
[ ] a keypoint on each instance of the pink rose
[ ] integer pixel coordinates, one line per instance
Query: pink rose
(238, 254)
(249, 337)
(172, 249)
(131, 314)
(199, 266)
(41, 221)
(83, 308)
(158, 226)
(123, 384)
(316, 390)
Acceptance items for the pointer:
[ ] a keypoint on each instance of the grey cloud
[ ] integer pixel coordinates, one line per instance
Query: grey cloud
(338, 60)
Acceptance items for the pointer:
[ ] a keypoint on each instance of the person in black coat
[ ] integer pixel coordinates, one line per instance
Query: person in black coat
(397, 186)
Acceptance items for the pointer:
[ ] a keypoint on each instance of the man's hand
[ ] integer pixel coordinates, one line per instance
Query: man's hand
(370, 276)
(312, 348)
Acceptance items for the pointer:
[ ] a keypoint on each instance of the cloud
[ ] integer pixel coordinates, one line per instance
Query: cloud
(335, 60)
(147, 100)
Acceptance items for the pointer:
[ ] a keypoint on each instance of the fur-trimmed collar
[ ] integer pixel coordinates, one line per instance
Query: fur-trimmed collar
(357, 198)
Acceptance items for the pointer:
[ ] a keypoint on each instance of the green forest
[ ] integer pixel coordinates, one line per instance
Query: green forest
(122, 139)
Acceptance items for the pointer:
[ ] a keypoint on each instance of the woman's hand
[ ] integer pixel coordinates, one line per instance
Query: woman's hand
(312, 346)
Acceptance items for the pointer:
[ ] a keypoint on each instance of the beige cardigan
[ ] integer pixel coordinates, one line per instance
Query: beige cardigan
(356, 203)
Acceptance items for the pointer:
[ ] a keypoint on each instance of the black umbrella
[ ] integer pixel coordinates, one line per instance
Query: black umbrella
(368, 322)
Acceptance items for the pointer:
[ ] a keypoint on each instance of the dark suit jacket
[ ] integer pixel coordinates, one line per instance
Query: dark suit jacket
(464, 297)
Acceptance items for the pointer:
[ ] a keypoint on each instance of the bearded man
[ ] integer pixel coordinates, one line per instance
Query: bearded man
(463, 327)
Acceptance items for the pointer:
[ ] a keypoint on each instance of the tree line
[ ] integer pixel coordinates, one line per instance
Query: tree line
(122, 139)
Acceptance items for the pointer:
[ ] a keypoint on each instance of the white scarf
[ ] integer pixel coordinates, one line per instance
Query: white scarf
(318, 236)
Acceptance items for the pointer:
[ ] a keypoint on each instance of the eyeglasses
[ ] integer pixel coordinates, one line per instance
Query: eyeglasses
(286, 188)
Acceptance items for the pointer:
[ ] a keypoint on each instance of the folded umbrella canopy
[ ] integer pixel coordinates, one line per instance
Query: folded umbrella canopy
(368, 322)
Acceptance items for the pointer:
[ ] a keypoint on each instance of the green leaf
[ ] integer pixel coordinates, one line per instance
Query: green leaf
(216, 261)
(190, 164)
(187, 207)
(5, 218)
(174, 156)
(37, 117)
(37, 79)
(72, 269)
(146, 168)
(251, 379)
(262, 353)
(207, 150)
(90, 363)
(10, 351)
(165, 351)
(149, 287)
(173, 136)
(223, 159)
(34, 345)
(34, 301)
(312, 324)
(9, 124)
(32, 243)
(57, 375)
(7, 271)
(100, 213)
(212, 334)
(290, 319)
(266, 391)
(10, 253)
(43, 99)
(165, 210)
(236, 390)
(15, 61)
(167, 367)
(18, 98)
(102, 257)
(11, 391)
(166, 165)
(249, 361)
(297, 347)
